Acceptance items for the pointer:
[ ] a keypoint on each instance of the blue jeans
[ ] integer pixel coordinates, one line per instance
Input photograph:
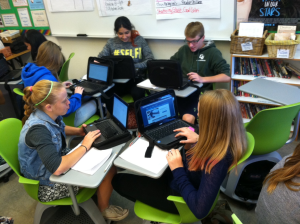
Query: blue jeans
(87, 110)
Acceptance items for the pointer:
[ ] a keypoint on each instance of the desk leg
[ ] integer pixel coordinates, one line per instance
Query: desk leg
(19, 59)
(75, 206)
(11, 63)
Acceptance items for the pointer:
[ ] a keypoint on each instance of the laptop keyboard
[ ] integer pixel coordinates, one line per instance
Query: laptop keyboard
(89, 85)
(166, 129)
(106, 129)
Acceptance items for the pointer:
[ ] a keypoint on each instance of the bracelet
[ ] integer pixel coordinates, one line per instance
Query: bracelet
(85, 147)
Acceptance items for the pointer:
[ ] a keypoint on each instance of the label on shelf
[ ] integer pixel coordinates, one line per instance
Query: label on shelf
(247, 46)
(283, 53)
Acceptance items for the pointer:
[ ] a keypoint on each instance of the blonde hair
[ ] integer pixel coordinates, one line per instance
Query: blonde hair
(193, 29)
(220, 129)
(49, 55)
(285, 174)
(35, 94)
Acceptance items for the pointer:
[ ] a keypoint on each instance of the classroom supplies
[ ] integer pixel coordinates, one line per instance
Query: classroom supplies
(134, 140)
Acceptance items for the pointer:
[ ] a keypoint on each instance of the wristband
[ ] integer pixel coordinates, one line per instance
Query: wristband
(85, 147)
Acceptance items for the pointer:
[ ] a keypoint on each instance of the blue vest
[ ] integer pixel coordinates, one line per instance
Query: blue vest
(31, 165)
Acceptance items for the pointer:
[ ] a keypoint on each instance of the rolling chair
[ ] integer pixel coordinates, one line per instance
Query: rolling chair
(147, 212)
(235, 219)
(270, 129)
(63, 75)
(11, 128)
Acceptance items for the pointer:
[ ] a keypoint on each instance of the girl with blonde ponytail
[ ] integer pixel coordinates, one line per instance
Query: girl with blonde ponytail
(42, 146)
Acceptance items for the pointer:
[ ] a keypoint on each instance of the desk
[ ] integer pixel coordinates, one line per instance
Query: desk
(17, 57)
(75, 178)
(180, 93)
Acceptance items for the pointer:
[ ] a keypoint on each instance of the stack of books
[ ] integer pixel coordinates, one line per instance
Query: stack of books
(236, 92)
(249, 110)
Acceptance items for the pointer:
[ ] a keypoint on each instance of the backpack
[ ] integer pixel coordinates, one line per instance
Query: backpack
(17, 46)
(252, 178)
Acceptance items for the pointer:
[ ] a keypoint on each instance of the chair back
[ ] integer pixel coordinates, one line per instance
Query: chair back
(271, 128)
(63, 75)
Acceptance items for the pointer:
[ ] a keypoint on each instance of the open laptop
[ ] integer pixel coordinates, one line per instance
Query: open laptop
(99, 77)
(157, 118)
(123, 66)
(167, 74)
(114, 128)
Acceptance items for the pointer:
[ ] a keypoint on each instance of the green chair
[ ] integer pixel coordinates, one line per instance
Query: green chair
(63, 75)
(147, 212)
(235, 219)
(18, 91)
(11, 128)
(271, 130)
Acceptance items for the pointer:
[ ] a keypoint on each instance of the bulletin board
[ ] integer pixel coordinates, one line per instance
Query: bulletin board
(23, 15)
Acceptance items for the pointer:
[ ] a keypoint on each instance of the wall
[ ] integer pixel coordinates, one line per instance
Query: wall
(85, 47)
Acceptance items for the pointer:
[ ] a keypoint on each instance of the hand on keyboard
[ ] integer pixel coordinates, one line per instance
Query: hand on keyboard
(79, 90)
(191, 136)
(90, 138)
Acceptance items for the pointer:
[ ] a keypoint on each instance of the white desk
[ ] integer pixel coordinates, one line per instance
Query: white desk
(75, 178)
(121, 80)
(180, 93)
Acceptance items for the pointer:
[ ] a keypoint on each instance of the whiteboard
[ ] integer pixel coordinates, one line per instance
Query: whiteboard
(70, 24)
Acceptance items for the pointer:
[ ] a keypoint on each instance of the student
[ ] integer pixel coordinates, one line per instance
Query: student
(48, 62)
(220, 144)
(128, 42)
(42, 142)
(201, 62)
(33, 39)
(279, 199)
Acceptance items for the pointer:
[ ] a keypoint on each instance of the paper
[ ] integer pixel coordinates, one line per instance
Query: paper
(10, 20)
(283, 53)
(39, 18)
(251, 29)
(147, 84)
(70, 5)
(92, 160)
(247, 46)
(135, 154)
(4, 4)
(124, 8)
(24, 17)
(173, 9)
(36, 4)
(20, 3)
(84, 77)
(286, 29)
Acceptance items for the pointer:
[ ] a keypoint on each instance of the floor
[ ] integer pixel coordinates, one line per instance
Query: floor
(14, 201)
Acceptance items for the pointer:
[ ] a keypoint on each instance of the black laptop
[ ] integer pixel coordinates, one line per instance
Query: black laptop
(99, 76)
(123, 66)
(157, 118)
(167, 74)
(112, 129)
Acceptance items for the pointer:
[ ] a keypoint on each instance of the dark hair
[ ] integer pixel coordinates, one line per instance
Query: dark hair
(123, 21)
(35, 39)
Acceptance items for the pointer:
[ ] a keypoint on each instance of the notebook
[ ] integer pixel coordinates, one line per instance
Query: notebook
(157, 117)
(112, 129)
(99, 76)
(167, 74)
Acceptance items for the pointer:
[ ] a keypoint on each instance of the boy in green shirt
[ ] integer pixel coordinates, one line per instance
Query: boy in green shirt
(202, 62)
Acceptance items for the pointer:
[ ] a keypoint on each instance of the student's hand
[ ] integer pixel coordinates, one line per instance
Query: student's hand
(193, 76)
(191, 136)
(81, 130)
(67, 84)
(174, 159)
(90, 138)
(79, 90)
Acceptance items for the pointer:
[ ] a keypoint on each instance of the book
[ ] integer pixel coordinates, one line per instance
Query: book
(248, 66)
(253, 67)
(268, 68)
(236, 65)
(272, 72)
(257, 66)
(245, 67)
(283, 70)
(264, 67)
(241, 66)
(248, 111)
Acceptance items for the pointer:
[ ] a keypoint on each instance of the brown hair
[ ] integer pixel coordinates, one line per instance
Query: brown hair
(49, 55)
(193, 29)
(35, 94)
(285, 174)
(220, 129)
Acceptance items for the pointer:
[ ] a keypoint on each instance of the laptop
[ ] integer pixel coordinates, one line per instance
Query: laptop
(112, 129)
(157, 118)
(99, 76)
(167, 74)
(123, 66)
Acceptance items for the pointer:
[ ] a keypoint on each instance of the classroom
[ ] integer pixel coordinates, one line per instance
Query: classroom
(100, 109)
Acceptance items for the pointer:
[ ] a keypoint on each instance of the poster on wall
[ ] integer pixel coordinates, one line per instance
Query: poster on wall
(4, 4)
(39, 18)
(24, 17)
(272, 13)
(124, 8)
(20, 3)
(36, 4)
(173, 9)
(10, 19)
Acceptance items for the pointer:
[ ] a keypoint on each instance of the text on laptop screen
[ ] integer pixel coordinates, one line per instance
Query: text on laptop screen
(120, 111)
(161, 110)
(98, 72)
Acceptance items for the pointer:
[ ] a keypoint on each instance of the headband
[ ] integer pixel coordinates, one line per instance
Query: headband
(47, 95)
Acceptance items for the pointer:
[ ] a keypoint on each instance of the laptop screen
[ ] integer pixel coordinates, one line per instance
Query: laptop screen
(98, 72)
(160, 110)
(120, 110)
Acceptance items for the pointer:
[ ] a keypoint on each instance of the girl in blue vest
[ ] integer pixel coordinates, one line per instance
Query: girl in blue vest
(42, 145)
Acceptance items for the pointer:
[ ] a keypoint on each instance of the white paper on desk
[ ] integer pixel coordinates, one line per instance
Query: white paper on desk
(84, 77)
(92, 160)
(147, 84)
(135, 154)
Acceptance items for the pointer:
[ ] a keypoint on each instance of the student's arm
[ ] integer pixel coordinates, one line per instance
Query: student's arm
(146, 54)
(201, 200)
(75, 131)
(105, 51)
(193, 76)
